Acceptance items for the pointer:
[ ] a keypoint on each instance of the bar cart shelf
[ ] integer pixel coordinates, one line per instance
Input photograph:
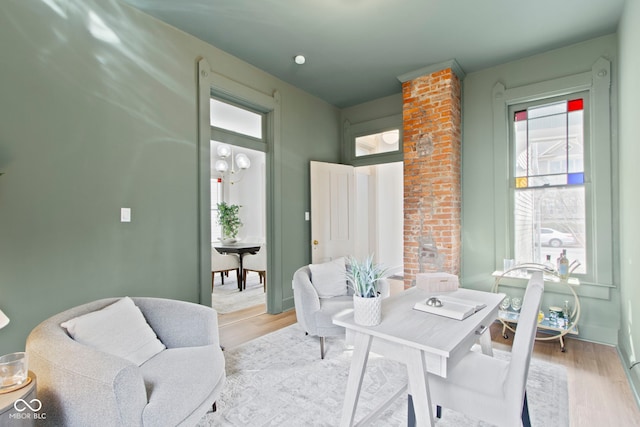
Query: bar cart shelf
(553, 330)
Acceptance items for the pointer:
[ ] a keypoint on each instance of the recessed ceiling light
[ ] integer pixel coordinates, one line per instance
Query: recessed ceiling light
(299, 59)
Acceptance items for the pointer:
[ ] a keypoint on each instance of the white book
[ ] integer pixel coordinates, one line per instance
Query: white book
(454, 308)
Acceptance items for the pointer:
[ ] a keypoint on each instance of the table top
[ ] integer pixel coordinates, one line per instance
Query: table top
(7, 399)
(432, 333)
(238, 246)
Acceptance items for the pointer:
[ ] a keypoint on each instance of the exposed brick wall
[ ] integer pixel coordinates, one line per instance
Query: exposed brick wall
(432, 164)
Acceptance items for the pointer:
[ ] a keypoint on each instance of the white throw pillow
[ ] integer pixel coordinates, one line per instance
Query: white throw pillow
(329, 278)
(119, 329)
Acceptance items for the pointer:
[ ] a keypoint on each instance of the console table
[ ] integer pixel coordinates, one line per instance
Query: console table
(509, 318)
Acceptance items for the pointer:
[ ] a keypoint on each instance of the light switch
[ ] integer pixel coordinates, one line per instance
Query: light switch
(125, 214)
(306, 216)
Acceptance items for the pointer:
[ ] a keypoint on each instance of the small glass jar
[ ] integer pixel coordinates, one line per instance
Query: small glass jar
(13, 369)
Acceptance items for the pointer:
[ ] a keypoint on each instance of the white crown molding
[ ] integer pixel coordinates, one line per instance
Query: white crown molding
(429, 69)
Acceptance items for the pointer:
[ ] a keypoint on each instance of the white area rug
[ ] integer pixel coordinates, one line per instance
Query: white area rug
(280, 380)
(228, 298)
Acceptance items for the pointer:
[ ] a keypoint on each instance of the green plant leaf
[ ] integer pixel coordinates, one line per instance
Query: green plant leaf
(364, 276)
(229, 219)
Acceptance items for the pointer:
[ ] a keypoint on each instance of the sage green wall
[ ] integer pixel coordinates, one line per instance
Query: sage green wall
(600, 318)
(629, 34)
(92, 122)
(376, 109)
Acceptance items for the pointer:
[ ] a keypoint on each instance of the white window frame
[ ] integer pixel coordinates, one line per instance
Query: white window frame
(584, 95)
(352, 131)
(599, 225)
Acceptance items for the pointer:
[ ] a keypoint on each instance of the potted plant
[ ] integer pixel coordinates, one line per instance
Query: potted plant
(364, 277)
(229, 219)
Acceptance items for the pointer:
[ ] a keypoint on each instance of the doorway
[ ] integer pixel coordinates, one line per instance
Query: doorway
(373, 195)
(380, 212)
(238, 185)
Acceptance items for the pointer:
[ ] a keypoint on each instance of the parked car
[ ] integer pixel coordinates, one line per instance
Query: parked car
(555, 238)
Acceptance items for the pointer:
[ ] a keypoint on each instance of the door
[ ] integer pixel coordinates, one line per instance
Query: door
(333, 231)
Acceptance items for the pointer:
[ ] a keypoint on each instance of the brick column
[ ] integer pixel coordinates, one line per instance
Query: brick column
(432, 161)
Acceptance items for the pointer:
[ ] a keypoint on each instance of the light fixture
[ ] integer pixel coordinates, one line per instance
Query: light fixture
(391, 137)
(223, 151)
(241, 161)
(4, 320)
(299, 59)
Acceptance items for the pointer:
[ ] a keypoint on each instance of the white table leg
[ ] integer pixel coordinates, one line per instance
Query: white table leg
(361, 347)
(419, 387)
(485, 342)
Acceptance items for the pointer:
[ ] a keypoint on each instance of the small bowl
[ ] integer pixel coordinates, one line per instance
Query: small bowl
(14, 369)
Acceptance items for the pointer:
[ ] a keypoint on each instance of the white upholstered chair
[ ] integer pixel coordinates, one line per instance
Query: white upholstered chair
(491, 389)
(97, 383)
(257, 263)
(315, 312)
(223, 263)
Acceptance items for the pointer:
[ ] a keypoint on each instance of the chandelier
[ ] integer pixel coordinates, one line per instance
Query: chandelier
(239, 163)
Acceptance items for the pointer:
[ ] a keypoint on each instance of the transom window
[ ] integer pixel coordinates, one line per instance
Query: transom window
(548, 159)
(240, 120)
(380, 142)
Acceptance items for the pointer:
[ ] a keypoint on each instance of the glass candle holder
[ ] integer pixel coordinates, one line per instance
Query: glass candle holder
(13, 369)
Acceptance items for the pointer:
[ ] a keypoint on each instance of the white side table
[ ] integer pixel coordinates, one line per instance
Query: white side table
(20, 414)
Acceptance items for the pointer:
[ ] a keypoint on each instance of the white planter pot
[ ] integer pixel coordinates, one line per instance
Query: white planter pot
(367, 311)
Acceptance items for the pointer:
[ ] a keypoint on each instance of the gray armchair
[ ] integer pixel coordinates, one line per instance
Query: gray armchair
(315, 314)
(79, 385)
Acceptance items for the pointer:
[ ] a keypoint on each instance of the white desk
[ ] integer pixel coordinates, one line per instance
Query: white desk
(422, 341)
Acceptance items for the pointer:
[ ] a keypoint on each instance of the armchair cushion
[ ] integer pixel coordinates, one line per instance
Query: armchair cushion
(119, 329)
(177, 377)
(329, 278)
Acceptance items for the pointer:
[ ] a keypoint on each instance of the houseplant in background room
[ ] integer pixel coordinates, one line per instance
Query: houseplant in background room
(229, 219)
(364, 277)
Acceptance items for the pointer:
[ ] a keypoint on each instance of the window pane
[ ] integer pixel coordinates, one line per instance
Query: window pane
(541, 181)
(382, 142)
(235, 119)
(216, 193)
(549, 195)
(547, 142)
(575, 121)
(522, 160)
(547, 110)
(548, 220)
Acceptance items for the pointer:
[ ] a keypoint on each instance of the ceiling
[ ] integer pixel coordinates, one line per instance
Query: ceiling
(356, 49)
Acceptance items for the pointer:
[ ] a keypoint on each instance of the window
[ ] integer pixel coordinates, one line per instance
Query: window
(373, 142)
(236, 119)
(548, 172)
(594, 247)
(381, 142)
(216, 197)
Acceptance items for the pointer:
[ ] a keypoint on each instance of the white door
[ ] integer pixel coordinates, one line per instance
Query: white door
(333, 231)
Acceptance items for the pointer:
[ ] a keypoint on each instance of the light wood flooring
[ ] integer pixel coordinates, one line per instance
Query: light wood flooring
(599, 392)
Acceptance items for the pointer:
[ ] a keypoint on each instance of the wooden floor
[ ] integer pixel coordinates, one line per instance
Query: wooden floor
(241, 326)
(599, 392)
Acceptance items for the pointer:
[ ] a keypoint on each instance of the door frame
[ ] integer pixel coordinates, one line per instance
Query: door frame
(208, 82)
